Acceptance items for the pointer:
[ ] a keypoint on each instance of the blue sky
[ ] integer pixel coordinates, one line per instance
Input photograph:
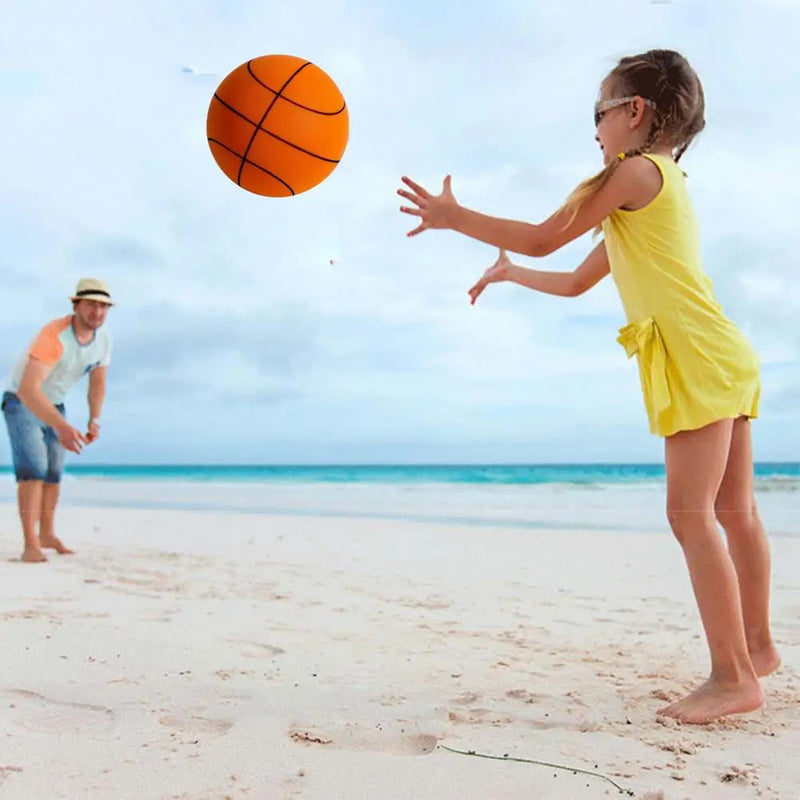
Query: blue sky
(235, 338)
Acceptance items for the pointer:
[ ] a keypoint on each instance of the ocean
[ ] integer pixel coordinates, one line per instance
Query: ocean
(618, 497)
(517, 474)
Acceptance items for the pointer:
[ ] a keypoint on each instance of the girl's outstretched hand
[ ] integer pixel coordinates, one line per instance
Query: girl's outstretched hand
(434, 211)
(497, 272)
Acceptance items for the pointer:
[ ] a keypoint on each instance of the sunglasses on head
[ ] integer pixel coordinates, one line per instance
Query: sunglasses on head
(603, 106)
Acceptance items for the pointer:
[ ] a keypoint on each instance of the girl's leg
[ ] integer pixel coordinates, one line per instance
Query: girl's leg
(737, 513)
(695, 466)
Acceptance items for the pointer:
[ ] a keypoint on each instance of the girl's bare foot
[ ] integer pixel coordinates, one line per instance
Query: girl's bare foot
(714, 700)
(33, 555)
(765, 660)
(54, 543)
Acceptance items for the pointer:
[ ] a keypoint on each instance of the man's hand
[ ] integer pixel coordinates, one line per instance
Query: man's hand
(93, 431)
(71, 438)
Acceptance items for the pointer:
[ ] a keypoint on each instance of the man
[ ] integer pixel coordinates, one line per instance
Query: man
(63, 351)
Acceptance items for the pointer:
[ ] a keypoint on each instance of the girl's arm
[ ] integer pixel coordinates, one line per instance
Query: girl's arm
(564, 284)
(629, 184)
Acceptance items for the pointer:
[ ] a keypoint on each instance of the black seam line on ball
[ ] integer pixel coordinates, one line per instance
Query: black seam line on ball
(264, 116)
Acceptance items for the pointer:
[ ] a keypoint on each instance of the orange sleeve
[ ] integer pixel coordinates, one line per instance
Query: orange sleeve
(47, 347)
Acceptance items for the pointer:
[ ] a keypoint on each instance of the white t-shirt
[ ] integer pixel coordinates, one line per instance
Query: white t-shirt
(57, 346)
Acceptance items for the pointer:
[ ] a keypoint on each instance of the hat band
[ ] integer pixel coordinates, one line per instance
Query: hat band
(92, 291)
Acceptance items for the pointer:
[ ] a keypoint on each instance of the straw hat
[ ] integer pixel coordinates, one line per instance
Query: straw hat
(92, 289)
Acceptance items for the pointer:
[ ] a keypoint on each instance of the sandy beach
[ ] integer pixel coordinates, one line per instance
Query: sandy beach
(211, 655)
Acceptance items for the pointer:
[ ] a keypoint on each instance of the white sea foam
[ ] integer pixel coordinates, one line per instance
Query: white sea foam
(618, 507)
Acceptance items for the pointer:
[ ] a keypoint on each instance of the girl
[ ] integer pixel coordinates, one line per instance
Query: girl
(699, 375)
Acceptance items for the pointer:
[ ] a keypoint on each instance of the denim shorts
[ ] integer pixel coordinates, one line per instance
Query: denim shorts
(35, 449)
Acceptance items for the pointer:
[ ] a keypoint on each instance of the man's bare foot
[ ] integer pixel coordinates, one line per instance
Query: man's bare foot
(765, 660)
(33, 555)
(714, 700)
(54, 543)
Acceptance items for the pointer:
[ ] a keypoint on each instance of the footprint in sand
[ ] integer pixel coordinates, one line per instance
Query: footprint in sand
(431, 603)
(398, 738)
(524, 695)
(548, 722)
(389, 699)
(480, 716)
(45, 715)
(6, 770)
(466, 699)
(194, 725)
(120, 590)
(256, 649)
(669, 626)
(130, 580)
(32, 613)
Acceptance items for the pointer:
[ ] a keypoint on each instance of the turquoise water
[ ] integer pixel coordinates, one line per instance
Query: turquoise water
(505, 474)
(620, 497)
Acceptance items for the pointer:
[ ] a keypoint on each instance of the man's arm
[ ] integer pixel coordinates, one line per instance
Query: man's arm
(31, 395)
(96, 397)
(97, 392)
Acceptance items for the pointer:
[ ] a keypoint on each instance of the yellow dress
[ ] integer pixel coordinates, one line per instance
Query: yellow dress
(695, 365)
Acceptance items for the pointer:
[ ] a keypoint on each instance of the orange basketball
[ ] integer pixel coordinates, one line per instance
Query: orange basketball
(277, 125)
